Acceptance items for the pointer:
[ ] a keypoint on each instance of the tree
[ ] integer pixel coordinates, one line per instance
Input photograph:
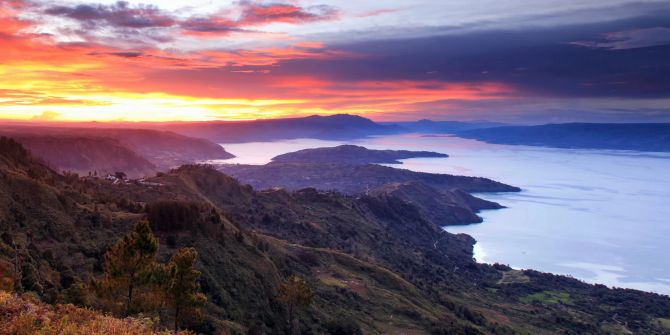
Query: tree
(130, 262)
(182, 288)
(295, 293)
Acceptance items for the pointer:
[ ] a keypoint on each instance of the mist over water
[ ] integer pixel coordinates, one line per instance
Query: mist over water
(600, 216)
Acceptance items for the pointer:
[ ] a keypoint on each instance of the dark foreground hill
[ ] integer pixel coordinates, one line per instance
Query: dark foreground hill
(375, 264)
(621, 136)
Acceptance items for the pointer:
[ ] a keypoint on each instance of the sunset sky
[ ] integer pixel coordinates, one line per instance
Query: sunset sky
(523, 61)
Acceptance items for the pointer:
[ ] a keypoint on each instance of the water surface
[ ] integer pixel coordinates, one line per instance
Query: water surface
(600, 216)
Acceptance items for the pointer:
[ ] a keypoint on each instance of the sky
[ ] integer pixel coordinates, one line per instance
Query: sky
(519, 61)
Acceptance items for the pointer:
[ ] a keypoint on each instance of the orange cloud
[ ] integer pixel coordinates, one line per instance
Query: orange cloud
(92, 81)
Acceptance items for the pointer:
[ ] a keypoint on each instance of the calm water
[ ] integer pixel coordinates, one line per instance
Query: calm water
(600, 216)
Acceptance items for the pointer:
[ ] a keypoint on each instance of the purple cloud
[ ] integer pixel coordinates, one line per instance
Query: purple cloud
(630, 39)
(120, 14)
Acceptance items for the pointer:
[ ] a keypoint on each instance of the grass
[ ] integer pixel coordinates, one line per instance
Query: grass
(548, 297)
(665, 323)
(25, 315)
(513, 277)
(615, 329)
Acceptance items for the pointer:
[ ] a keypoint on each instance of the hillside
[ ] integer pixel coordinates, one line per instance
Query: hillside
(616, 136)
(137, 152)
(352, 154)
(85, 155)
(452, 207)
(375, 264)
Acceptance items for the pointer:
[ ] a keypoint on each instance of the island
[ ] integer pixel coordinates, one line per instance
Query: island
(353, 154)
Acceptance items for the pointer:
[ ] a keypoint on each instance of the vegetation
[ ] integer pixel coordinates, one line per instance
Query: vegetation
(296, 294)
(513, 277)
(548, 297)
(371, 262)
(129, 267)
(182, 289)
(26, 316)
(343, 326)
(172, 215)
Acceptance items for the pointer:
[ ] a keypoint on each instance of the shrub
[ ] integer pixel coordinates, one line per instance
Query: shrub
(343, 326)
(22, 316)
(170, 216)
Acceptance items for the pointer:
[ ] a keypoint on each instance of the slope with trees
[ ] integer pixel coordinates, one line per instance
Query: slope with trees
(375, 265)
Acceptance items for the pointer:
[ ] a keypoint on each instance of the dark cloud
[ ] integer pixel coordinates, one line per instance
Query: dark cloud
(126, 16)
(538, 61)
(120, 14)
(127, 54)
(630, 39)
(209, 25)
(255, 14)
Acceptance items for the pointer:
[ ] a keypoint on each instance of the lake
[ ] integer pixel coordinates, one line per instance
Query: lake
(597, 215)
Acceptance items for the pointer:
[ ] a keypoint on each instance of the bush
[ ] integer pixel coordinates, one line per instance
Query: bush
(168, 216)
(25, 315)
(343, 326)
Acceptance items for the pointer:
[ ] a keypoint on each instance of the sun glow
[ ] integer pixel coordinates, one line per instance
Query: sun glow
(108, 76)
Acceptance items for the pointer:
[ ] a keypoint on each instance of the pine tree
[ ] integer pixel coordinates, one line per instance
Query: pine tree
(182, 288)
(129, 264)
(296, 293)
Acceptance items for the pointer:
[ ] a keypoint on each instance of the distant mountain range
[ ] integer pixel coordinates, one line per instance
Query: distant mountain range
(629, 136)
(141, 149)
(334, 127)
(436, 127)
(617, 136)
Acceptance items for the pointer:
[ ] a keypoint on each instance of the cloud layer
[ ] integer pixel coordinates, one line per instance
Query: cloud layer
(269, 59)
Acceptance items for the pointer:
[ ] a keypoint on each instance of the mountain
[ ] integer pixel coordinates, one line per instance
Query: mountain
(137, 152)
(616, 136)
(374, 263)
(441, 127)
(333, 127)
(352, 154)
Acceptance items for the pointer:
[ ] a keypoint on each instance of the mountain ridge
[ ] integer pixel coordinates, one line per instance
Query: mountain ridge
(615, 136)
